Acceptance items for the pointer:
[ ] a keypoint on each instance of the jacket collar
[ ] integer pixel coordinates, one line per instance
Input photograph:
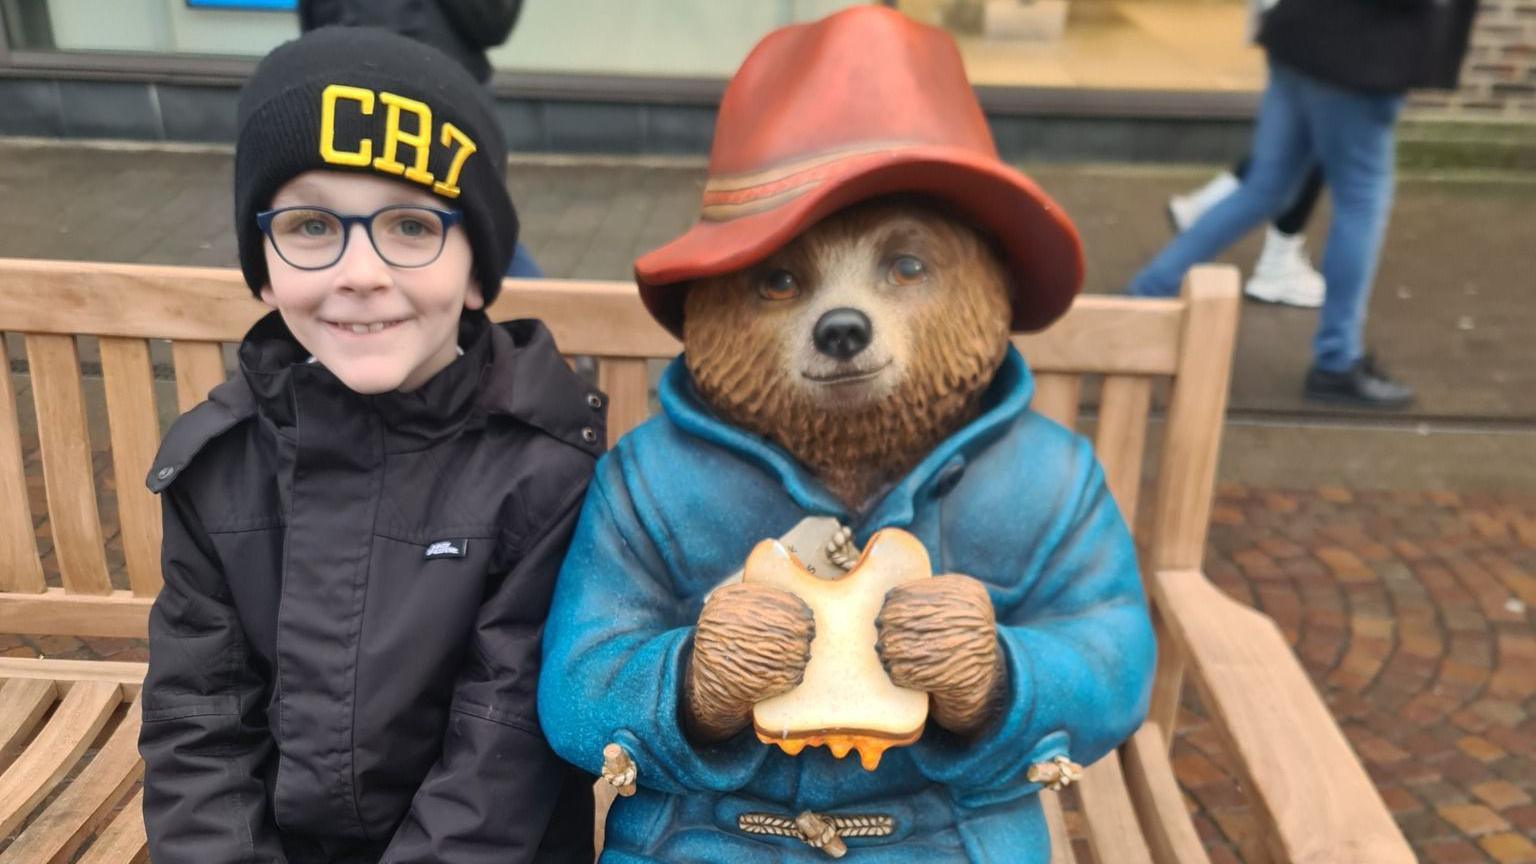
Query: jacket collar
(1006, 398)
(511, 370)
(273, 364)
(530, 382)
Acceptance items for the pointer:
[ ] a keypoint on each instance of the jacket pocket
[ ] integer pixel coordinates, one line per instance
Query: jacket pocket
(176, 709)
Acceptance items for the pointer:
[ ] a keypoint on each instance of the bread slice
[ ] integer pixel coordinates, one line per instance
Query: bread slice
(847, 701)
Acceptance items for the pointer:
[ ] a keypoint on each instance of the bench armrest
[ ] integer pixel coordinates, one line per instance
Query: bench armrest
(1310, 791)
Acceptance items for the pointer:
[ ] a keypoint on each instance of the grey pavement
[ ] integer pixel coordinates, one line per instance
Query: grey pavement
(1454, 311)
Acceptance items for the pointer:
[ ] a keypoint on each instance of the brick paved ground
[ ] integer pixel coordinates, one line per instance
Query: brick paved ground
(1412, 612)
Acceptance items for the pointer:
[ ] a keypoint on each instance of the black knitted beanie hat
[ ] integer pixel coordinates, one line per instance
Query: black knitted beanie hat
(367, 100)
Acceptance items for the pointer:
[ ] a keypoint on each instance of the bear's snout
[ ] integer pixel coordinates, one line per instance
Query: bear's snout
(842, 333)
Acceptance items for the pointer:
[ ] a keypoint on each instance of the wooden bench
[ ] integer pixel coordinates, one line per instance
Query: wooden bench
(1313, 800)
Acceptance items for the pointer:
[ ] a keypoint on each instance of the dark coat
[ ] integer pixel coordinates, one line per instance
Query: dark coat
(343, 660)
(462, 29)
(1374, 45)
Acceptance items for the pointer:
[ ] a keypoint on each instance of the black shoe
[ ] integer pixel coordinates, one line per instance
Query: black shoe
(1362, 385)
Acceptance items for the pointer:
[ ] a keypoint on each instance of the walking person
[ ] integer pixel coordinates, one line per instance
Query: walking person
(1338, 73)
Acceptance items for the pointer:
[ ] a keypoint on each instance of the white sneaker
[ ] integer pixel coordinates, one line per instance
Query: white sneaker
(1183, 210)
(1284, 274)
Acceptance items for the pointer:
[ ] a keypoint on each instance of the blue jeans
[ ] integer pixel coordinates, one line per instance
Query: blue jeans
(1349, 133)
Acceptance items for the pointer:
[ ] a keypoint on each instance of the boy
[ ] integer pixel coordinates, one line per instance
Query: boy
(363, 527)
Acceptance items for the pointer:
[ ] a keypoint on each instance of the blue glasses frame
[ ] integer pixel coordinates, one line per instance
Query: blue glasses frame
(449, 219)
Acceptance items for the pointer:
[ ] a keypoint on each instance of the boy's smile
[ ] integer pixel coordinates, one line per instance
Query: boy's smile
(378, 327)
(360, 329)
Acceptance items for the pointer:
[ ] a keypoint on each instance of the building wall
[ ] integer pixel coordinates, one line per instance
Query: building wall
(1498, 79)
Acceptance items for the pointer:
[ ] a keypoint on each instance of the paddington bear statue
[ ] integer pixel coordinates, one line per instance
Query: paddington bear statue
(846, 302)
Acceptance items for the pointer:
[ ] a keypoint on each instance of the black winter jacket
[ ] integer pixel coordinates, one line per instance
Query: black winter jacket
(1374, 45)
(462, 29)
(344, 658)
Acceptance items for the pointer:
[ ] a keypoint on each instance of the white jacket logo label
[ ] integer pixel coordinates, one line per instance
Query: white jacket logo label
(447, 549)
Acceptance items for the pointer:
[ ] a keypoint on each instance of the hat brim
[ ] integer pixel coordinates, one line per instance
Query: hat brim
(1044, 256)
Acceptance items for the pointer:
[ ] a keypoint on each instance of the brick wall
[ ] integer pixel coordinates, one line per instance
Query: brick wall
(1498, 79)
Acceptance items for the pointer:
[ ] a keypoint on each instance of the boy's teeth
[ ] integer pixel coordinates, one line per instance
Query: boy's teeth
(359, 328)
(375, 326)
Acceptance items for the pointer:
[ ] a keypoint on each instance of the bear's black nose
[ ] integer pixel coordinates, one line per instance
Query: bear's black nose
(842, 333)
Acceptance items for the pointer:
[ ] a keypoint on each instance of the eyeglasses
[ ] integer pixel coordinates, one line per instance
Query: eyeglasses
(314, 238)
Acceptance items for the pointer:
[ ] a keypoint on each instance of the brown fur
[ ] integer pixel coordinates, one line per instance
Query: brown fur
(937, 635)
(752, 643)
(957, 332)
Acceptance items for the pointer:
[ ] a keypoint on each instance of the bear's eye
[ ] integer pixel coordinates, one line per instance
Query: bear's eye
(907, 270)
(779, 285)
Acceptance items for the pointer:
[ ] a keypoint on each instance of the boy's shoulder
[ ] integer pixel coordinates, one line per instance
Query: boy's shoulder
(228, 405)
(530, 383)
(529, 387)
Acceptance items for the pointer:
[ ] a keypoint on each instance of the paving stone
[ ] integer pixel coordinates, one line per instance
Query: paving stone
(1437, 792)
(1223, 855)
(1480, 748)
(1509, 848)
(55, 646)
(1501, 794)
(1472, 819)
(1424, 827)
(1500, 712)
(1196, 771)
(1523, 818)
(1400, 800)
(1453, 852)
(1380, 751)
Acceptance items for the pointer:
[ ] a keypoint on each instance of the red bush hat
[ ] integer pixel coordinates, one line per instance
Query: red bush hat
(860, 104)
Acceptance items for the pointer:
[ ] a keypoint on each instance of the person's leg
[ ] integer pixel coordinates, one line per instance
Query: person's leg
(1291, 222)
(1281, 153)
(1294, 220)
(1353, 134)
(1354, 137)
(1284, 272)
(1183, 210)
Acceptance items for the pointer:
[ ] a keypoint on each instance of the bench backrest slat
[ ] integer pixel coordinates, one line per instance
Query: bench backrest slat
(73, 518)
(624, 380)
(199, 368)
(1121, 437)
(1192, 438)
(134, 426)
(20, 569)
(1056, 396)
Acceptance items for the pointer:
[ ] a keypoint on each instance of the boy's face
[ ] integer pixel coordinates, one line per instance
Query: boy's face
(376, 326)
